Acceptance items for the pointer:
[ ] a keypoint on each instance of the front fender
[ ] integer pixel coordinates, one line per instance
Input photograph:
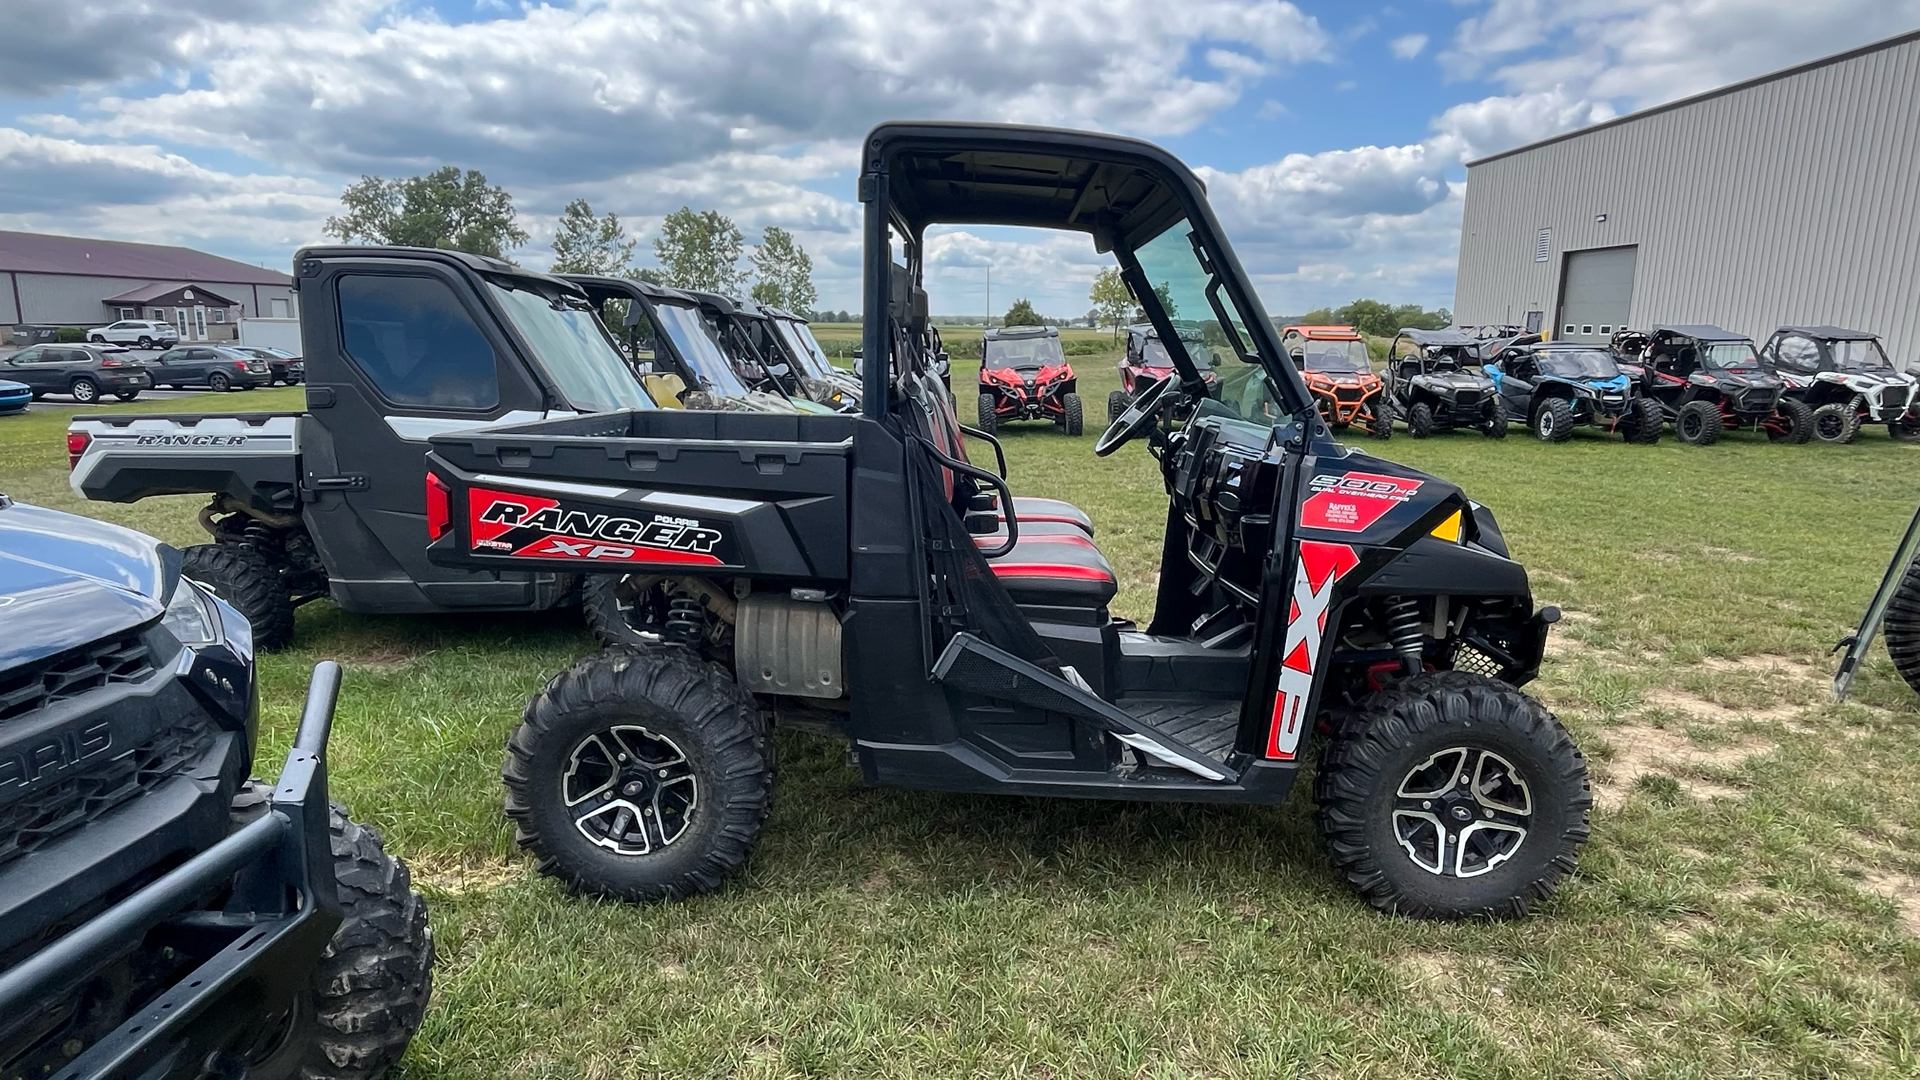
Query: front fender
(1431, 567)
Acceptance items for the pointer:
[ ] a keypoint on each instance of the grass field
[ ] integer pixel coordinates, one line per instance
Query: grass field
(1749, 905)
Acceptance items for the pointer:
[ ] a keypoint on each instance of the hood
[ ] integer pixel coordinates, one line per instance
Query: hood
(1742, 380)
(67, 580)
(1457, 380)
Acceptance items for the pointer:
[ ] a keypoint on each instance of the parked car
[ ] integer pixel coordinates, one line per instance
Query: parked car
(14, 396)
(161, 915)
(82, 371)
(215, 367)
(284, 366)
(145, 333)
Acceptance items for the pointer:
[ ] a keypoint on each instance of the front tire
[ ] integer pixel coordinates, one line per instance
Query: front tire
(97, 339)
(245, 578)
(641, 775)
(1647, 422)
(1420, 420)
(1072, 418)
(365, 999)
(1495, 426)
(1836, 423)
(1553, 420)
(145, 343)
(1116, 404)
(1404, 830)
(989, 419)
(1791, 423)
(1381, 426)
(84, 390)
(1699, 423)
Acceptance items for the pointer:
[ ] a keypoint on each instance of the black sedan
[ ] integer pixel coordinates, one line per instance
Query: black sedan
(285, 366)
(82, 371)
(215, 367)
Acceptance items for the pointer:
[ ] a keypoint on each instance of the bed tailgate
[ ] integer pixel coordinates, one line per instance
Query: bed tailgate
(671, 491)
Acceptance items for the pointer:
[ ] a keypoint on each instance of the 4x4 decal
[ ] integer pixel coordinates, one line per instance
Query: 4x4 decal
(510, 523)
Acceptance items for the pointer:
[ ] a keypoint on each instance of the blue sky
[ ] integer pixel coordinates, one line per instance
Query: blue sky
(1332, 136)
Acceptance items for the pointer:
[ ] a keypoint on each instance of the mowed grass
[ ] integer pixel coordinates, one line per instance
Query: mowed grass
(1749, 905)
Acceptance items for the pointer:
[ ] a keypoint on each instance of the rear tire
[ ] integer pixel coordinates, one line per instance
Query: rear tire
(366, 996)
(244, 578)
(1699, 423)
(1648, 421)
(1902, 627)
(618, 614)
(1904, 429)
(676, 718)
(97, 339)
(1420, 420)
(1116, 404)
(219, 383)
(1074, 422)
(1795, 422)
(126, 395)
(988, 418)
(1553, 420)
(84, 390)
(1836, 423)
(145, 343)
(1400, 851)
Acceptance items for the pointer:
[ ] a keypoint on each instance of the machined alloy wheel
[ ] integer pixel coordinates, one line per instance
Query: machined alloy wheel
(85, 391)
(630, 789)
(1462, 812)
(145, 342)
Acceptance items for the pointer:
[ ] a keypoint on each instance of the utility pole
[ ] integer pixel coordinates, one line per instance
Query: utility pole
(989, 294)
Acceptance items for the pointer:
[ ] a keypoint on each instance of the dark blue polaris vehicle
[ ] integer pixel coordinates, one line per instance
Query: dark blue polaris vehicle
(161, 914)
(1557, 386)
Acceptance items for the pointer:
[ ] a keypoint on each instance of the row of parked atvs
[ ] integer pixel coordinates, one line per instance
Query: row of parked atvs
(1808, 382)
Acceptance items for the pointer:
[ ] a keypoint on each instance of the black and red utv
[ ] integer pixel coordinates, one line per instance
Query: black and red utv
(1708, 380)
(1146, 362)
(859, 575)
(1024, 375)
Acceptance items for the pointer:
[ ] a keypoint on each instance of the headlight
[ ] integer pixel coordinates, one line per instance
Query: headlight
(190, 615)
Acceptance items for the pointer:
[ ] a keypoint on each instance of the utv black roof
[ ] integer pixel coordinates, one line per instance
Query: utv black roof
(479, 263)
(1702, 333)
(656, 293)
(1437, 337)
(1022, 331)
(1831, 333)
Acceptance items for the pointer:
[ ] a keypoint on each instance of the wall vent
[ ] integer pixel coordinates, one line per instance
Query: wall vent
(1542, 245)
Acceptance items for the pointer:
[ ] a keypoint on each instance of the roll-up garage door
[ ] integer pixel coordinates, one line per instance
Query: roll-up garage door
(1594, 294)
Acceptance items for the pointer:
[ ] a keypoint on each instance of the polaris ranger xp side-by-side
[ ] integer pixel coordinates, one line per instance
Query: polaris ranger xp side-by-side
(858, 575)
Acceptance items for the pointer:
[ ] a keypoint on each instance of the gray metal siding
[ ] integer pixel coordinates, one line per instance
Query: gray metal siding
(9, 314)
(1794, 200)
(59, 298)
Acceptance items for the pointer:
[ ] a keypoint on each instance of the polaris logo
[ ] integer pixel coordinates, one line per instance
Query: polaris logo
(190, 440)
(24, 764)
(670, 533)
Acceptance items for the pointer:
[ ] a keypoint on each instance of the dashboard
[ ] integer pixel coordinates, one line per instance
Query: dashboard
(1222, 474)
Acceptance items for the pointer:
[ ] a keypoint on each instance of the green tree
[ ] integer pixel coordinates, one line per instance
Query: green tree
(700, 251)
(585, 244)
(1111, 299)
(1317, 317)
(448, 208)
(1367, 316)
(785, 272)
(1022, 314)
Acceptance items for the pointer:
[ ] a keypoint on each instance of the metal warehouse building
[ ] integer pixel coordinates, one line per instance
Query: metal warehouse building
(73, 281)
(1790, 198)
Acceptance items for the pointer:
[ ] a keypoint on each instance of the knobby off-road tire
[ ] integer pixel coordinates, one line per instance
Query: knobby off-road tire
(1495, 425)
(988, 417)
(244, 578)
(1390, 776)
(1643, 421)
(1699, 423)
(1837, 423)
(1420, 420)
(1904, 430)
(1381, 426)
(1116, 404)
(1794, 424)
(369, 991)
(687, 729)
(1072, 418)
(617, 616)
(1553, 420)
(1901, 627)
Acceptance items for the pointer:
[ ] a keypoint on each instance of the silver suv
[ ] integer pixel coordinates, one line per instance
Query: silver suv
(144, 333)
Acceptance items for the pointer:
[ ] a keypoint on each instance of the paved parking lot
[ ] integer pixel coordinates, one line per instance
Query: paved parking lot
(59, 402)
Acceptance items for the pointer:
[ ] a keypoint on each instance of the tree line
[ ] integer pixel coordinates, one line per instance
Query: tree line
(457, 209)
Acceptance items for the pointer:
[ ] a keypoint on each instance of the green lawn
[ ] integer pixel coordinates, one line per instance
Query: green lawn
(1749, 905)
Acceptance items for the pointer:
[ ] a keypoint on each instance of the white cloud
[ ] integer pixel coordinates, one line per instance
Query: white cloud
(1408, 46)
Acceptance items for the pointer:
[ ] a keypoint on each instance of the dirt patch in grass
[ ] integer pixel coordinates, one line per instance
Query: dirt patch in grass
(1769, 664)
(1644, 752)
(1901, 888)
(460, 877)
(1728, 555)
(1695, 707)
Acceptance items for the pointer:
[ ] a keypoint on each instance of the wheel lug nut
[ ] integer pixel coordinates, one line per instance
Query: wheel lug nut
(663, 772)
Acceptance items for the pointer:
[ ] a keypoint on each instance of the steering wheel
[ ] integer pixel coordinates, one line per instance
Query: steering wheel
(1137, 418)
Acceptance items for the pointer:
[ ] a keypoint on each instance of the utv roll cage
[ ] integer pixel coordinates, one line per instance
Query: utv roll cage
(1433, 347)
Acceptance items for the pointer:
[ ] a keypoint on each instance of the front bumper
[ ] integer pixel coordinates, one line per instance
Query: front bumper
(131, 381)
(249, 958)
(1027, 402)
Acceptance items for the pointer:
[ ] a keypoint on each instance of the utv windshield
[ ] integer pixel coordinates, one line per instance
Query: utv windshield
(1181, 283)
(572, 348)
(1578, 364)
(1033, 352)
(800, 343)
(1729, 356)
(1337, 357)
(687, 329)
(1857, 355)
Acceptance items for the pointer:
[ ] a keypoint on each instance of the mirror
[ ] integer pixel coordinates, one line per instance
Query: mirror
(942, 364)
(779, 369)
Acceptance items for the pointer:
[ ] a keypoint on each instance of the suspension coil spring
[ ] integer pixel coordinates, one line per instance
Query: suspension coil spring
(1405, 633)
(686, 618)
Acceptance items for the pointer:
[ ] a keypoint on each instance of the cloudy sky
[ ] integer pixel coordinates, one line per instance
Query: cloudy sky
(1331, 135)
